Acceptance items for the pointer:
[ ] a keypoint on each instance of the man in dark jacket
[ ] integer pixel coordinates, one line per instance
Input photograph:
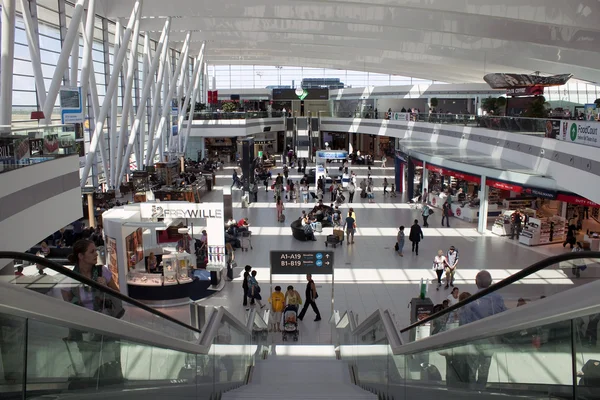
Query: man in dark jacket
(416, 234)
(446, 213)
(245, 286)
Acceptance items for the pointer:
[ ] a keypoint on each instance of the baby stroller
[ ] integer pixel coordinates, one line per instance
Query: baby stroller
(290, 323)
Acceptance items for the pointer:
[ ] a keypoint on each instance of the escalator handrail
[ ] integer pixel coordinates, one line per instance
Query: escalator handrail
(13, 255)
(525, 272)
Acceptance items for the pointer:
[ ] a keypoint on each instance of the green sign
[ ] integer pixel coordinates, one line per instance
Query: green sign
(302, 95)
(260, 154)
(573, 132)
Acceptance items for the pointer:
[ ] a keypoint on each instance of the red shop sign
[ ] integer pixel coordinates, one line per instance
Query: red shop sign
(456, 174)
(437, 170)
(573, 199)
(504, 185)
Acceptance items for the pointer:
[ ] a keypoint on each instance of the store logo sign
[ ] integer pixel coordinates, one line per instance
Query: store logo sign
(180, 210)
(573, 132)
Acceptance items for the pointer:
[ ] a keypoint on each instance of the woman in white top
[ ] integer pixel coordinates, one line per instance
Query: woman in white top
(304, 190)
(439, 263)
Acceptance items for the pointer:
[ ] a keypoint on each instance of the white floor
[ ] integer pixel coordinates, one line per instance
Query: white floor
(369, 274)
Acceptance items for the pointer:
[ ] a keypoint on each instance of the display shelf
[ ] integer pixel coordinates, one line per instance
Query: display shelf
(501, 225)
(144, 279)
(517, 203)
(540, 231)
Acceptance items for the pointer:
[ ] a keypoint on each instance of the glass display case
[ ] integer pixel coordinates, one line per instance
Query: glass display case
(170, 269)
(144, 279)
(184, 263)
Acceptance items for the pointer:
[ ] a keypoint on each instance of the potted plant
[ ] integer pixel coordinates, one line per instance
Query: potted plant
(229, 107)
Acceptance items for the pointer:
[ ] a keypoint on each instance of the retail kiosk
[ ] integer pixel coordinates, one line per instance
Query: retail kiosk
(325, 156)
(135, 231)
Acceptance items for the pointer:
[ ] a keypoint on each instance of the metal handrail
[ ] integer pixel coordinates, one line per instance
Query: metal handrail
(13, 255)
(525, 272)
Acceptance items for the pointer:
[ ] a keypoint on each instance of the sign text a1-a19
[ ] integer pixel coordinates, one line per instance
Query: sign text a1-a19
(302, 262)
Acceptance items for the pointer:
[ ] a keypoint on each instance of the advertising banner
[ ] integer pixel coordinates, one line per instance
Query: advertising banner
(503, 81)
(51, 144)
(574, 199)
(71, 106)
(591, 113)
(552, 129)
(111, 253)
(525, 91)
(400, 116)
(504, 185)
(36, 146)
(582, 132)
(457, 174)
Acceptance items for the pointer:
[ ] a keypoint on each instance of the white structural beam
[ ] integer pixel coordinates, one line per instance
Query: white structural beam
(191, 87)
(167, 100)
(127, 100)
(164, 58)
(63, 60)
(114, 104)
(112, 85)
(31, 30)
(74, 60)
(6, 61)
(159, 134)
(198, 76)
(88, 39)
(148, 83)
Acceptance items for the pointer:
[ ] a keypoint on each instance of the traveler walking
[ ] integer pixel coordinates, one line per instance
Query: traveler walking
(427, 211)
(446, 213)
(400, 240)
(385, 185)
(415, 236)
(245, 286)
(451, 263)
(351, 190)
(350, 227)
(254, 289)
(311, 295)
(439, 263)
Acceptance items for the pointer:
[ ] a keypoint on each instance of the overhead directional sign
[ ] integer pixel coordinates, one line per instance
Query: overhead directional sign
(302, 262)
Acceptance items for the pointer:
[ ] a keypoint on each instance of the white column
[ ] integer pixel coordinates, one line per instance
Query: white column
(191, 86)
(112, 130)
(195, 95)
(143, 104)
(483, 206)
(162, 43)
(164, 58)
(127, 99)
(63, 60)
(31, 30)
(160, 131)
(6, 61)
(167, 100)
(88, 39)
(74, 61)
(112, 85)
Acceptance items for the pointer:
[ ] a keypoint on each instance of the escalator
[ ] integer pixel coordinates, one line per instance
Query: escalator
(544, 349)
(52, 349)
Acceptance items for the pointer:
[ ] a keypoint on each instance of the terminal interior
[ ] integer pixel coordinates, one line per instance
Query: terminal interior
(314, 200)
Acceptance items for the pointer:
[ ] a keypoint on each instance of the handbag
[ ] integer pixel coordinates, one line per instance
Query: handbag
(396, 247)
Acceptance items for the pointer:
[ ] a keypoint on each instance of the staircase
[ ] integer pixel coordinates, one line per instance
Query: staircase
(300, 372)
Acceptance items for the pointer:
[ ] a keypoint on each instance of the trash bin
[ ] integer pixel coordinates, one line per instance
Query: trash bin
(209, 184)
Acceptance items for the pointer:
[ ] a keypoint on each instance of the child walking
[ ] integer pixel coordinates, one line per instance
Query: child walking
(277, 301)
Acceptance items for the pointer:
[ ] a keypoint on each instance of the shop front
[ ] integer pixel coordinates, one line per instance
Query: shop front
(220, 148)
(151, 250)
(459, 189)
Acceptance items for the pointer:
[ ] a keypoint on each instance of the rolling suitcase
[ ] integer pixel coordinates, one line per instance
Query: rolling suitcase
(282, 218)
(318, 227)
(246, 241)
(332, 240)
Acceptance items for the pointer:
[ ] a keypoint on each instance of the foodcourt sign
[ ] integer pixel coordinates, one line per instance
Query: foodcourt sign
(582, 132)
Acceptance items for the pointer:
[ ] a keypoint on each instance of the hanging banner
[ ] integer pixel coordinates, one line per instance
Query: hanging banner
(71, 106)
(503, 81)
(581, 132)
(525, 91)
